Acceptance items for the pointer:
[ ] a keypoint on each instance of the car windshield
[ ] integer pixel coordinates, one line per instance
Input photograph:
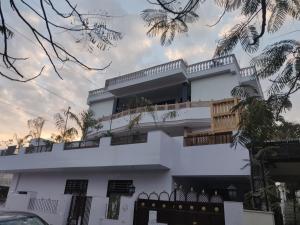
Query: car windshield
(24, 221)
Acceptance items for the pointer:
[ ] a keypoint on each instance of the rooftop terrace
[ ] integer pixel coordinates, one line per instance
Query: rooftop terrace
(180, 72)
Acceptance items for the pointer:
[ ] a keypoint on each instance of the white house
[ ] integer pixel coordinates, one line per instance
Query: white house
(162, 156)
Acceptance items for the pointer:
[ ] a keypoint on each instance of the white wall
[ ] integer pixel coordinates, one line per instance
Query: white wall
(43, 184)
(103, 108)
(206, 160)
(213, 88)
(132, 156)
(160, 152)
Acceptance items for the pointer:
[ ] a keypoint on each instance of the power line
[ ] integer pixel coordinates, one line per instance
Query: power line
(55, 94)
(37, 83)
(24, 110)
(28, 39)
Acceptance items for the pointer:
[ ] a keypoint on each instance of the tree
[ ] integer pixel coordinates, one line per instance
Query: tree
(21, 141)
(91, 28)
(135, 119)
(174, 16)
(281, 59)
(287, 130)
(260, 121)
(84, 121)
(6, 143)
(280, 63)
(66, 133)
(35, 127)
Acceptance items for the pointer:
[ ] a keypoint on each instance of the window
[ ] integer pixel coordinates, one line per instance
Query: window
(113, 208)
(76, 187)
(123, 187)
(115, 189)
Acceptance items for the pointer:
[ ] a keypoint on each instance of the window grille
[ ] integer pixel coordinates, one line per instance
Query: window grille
(122, 187)
(76, 186)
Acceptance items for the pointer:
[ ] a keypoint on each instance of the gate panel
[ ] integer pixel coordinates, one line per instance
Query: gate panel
(179, 212)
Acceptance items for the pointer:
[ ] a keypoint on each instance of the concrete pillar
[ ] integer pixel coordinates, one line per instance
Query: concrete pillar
(114, 109)
(233, 213)
(184, 92)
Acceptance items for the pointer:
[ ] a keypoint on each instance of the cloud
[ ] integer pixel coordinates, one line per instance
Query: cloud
(188, 52)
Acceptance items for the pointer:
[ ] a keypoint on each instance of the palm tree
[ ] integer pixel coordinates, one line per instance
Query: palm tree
(35, 127)
(21, 141)
(135, 119)
(66, 133)
(258, 124)
(84, 121)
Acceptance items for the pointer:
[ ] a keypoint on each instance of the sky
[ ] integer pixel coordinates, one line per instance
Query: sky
(48, 94)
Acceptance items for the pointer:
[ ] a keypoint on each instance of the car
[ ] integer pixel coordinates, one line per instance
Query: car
(20, 218)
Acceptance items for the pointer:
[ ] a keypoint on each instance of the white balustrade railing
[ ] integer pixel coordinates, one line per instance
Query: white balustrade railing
(209, 64)
(147, 72)
(177, 64)
(248, 71)
(97, 91)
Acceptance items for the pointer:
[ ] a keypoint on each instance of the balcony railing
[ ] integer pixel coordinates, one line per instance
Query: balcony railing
(81, 144)
(152, 71)
(175, 106)
(11, 150)
(129, 139)
(38, 149)
(209, 64)
(208, 139)
(97, 91)
(248, 71)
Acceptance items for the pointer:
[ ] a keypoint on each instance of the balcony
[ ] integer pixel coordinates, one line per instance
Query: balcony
(11, 150)
(208, 139)
(81, 144)
(99, 94)
(171, 73)
(186, 113)
(38, 149)
(168, 73)
(213, 67)
(129, 139)
(149, 153)
(248, 73)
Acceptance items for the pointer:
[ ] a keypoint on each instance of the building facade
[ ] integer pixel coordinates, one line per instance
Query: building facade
(162, 153)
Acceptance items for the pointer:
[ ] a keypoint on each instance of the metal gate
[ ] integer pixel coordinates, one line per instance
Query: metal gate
(193, 209)
(79, 210)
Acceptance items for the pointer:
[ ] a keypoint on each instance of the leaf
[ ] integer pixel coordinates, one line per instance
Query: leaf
(229, 5)
(273, 57)
(244, 91)
(283, 78)
(250, 7)
(228, 42)
(59, 121)
(278, 16)
(246, 38)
